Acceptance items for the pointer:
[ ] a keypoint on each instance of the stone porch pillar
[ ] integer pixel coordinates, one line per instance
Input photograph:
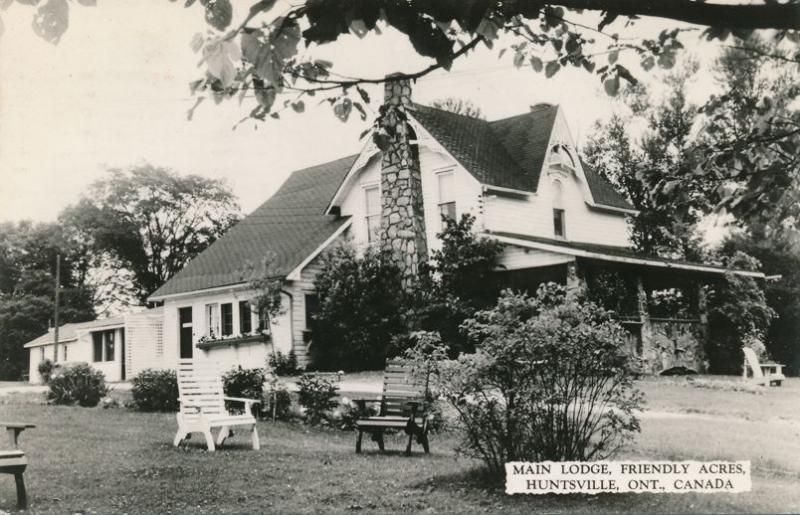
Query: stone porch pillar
(644, 315)
(402, 215)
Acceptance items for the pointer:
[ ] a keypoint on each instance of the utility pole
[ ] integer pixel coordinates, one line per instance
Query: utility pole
(55, 330)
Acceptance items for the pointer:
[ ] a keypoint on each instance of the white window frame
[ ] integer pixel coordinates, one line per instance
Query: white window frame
(441, 199)
(367, 214)
(213, 320)
(558, 204)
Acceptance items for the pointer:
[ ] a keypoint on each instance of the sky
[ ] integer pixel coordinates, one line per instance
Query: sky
(114, 93)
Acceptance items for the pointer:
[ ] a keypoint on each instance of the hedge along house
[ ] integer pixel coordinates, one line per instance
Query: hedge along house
(120, 347)
(521, 179)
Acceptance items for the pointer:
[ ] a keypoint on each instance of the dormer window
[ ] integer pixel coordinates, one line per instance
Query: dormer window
(559, 220)
(372, 220)
(447, 196)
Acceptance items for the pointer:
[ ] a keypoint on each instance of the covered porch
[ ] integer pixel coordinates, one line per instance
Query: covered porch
(660, 302)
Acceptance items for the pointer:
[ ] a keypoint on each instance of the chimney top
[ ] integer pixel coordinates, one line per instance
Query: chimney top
(397, 91)
(541, 105)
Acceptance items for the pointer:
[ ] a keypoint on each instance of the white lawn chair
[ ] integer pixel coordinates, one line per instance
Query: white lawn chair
(203, 405)
(763, 373)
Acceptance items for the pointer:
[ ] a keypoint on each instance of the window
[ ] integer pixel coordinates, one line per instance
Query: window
(263, 322)
(41, 354)
(108, 336)
(312, 307)
(212, 320)
(65, 352)
(447, 201)
(560, 154)
(103, 346)
(227, 319)
(559, 221)
(245, 317)
(372, 199)
(97, 346)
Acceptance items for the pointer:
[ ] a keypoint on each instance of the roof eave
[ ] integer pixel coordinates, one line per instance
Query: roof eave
(621, 259)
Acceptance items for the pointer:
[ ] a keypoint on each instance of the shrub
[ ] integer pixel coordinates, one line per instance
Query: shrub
(737, 312)
(246, 383)
(546, 382)
(317, 395)
(46, 370)
(155, 390)
(77, 384)
(278, 402)
(356, 319)
(349, 411)
(283, 364)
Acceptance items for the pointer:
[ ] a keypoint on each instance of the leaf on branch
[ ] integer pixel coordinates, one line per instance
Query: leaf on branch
(219, 13)
(611, 86)
(197, 42)
(613, 56)
(262, 6)
(363, 94)
(608, 19)
(626, 74)
(299, 106)
(359, 28)
(88, 3)
(51, 20)
(219, 57)
(648, 63)
(536, 64)
(343, 109)
(551, 69)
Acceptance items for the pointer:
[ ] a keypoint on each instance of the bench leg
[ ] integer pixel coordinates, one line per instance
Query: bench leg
(358, 441)
(423, 439)
(256, 443)
(408, 447)
(224, 433)
(22, 495)
(209, 439)
(379, 439)
(180, 436)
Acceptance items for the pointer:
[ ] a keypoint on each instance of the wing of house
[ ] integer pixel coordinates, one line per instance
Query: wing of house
(520, 177)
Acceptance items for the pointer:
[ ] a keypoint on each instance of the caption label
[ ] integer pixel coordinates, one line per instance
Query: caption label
(571, 477)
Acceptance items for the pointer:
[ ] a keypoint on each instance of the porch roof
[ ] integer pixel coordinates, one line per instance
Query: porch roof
(611, 253)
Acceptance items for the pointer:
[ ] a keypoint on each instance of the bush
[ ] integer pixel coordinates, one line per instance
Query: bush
(546, 382)
(155, 390)
(247, 383)
(356, 319)
(77, 384)
(278, 402)
(317, 395)
(348, 412)
(46, 370)
(283, 364)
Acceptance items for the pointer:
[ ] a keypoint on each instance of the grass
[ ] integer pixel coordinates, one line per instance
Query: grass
(119, 461)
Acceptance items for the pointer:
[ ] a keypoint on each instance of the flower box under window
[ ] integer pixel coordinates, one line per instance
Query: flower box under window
(230, 341)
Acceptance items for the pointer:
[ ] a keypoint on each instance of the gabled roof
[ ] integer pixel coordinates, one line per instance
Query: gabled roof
(292, 224)
(507, 153)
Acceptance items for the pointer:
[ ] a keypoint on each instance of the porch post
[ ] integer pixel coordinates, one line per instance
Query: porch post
(702, 314)
(576, 283)
(644, 315)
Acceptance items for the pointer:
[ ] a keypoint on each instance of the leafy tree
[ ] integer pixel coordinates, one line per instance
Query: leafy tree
(737, 311)
(361, 308)
(665, 224)
(262, 55)
(27, 281)
(152, 221)
(459, 106)
(779, 254)
(459, 280)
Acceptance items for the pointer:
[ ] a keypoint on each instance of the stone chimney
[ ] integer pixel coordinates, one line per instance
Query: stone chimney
(402, 215)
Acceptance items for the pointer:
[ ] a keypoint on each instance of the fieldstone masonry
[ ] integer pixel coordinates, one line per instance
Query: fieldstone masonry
(402, 216)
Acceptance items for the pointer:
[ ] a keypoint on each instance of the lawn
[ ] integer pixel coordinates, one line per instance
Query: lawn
(117, 461)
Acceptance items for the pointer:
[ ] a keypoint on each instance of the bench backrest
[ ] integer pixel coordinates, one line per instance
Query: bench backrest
(200, 384)
(400, 385)
(751, 359)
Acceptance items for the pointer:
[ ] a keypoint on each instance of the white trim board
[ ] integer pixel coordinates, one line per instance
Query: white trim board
(619, 259)
(294, 275)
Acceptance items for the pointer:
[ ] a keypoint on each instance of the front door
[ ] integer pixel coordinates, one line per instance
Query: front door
(185, 325)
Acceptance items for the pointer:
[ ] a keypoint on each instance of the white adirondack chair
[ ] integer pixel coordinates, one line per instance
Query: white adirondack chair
(763, 373)
(203, 405)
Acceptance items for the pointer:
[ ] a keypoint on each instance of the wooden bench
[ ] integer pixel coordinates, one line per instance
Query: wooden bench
(402, 406)
(203, 405)
(14, 461)
(763, 373)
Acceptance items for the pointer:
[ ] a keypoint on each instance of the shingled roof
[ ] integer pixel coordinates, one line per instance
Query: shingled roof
(292, 224)
(507, 153)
